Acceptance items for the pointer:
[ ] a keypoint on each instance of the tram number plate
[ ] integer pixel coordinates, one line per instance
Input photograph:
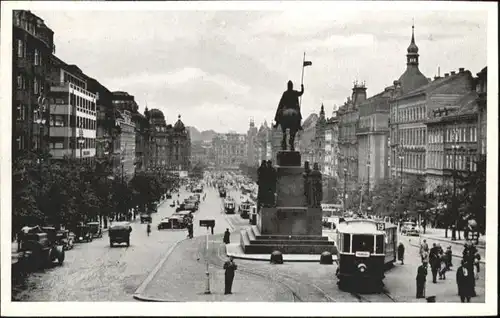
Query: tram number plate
(362, 254)
(380, 227)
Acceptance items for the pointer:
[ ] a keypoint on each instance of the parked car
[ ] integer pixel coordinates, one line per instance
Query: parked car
(83, 233)
(40, 247)
(119, 232)
(146, 218)
(95, 229)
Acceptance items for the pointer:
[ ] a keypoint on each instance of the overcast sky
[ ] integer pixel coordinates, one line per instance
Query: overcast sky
(220, 68)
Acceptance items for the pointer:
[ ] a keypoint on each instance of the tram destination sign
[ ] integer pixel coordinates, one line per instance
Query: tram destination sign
(380, 226)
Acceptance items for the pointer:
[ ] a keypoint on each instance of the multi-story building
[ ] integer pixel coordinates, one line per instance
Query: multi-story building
(318, 144)
(306, 138)
(158, 145)
(482, 91)
(179, 142)
(373, 133)
(331, 146)
(252, 155)
(126, 143)
(263, 145)
(348, 143)
(409, 114)
(73, 113)
(32, 46)
(230, 150)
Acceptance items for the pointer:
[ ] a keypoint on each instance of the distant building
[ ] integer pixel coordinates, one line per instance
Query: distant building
(230, 150)
(126, 141)
(305, 138)
(73, 113)
(252, 153)
(32, 47)
(263, 143)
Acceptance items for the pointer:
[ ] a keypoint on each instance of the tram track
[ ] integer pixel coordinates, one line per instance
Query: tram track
(279, 279)
(364, 299)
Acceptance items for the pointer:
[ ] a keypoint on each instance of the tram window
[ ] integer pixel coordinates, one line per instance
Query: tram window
(347, 243)
(380, 244)
(362, 243)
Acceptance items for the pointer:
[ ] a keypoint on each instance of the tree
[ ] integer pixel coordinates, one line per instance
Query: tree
(385, 197)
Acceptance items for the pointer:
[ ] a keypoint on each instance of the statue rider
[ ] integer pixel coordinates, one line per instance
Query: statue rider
(289, 100)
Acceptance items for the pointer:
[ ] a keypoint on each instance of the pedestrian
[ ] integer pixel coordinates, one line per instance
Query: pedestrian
(465, 281)
(212, 228)
(401, 253)
(423, 247)
(477, 260)
(434, 261)
(421, 278)
(425, 257)
(449, 256)
(229, 267)
(148, 228)
(227, 235)
(442, 268)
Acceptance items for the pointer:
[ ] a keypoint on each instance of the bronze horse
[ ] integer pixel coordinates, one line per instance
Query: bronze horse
(289, 119)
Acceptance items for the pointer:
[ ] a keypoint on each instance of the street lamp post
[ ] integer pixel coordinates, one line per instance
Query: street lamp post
(454, 197)
(345, 189)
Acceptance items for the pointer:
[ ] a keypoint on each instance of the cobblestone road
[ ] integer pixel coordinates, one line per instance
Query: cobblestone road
(95, 272)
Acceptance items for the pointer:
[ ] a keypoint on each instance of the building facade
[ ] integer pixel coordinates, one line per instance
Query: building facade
(126, 144)
(73, 113)
(32, 47)
(230, 150)
(252, 153)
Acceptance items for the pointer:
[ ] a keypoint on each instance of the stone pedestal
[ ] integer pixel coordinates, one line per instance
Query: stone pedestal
(291, 226)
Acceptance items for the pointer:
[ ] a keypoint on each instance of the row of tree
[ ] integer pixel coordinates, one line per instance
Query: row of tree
(409, 199)
(68, 192)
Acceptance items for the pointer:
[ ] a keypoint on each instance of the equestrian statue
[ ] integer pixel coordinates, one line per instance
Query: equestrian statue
(288, 115)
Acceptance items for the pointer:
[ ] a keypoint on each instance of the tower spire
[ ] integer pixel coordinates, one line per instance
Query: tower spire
(412, 55)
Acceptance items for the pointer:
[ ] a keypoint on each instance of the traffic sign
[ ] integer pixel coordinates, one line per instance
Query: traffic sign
(207, 223)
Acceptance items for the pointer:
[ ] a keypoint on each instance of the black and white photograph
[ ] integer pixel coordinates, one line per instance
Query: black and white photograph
(196, 157)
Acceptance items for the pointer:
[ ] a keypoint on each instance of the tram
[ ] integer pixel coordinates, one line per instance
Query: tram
(367, 247)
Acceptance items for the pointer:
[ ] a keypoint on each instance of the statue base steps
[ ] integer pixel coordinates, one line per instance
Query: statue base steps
(253, 243)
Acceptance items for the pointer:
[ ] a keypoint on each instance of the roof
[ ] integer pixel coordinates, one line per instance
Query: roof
(445, 84)
(466, 105)
(361, 226)
(412, 79)
(179, 125)
(156, 113)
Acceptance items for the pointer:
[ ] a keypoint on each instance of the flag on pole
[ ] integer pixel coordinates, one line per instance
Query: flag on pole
(307, 63)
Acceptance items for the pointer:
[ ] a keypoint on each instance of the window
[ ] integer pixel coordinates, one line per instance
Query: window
(474, 134)
(347, 243)
(20, 81)
(20, 48)
(37, 57)
(379, 247)
(36, 88)
(20, 112)
(362, 243)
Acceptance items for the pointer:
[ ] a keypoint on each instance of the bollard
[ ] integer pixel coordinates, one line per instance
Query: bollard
(276, 257)
(326, 258)
(431, 299)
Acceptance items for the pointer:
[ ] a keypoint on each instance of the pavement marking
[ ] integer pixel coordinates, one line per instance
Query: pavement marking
(152, 274)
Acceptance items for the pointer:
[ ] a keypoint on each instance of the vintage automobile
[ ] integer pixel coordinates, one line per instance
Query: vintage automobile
(40, 247)
(191, 206)
(83, 233)
(67, 239)
(410, 229)
(146, 218)
(119, 232)
(95, 229)
(175, 221)
(169, 195)
(222, 192)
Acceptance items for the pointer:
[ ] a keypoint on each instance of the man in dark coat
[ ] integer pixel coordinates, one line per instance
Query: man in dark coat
(289, 100)
(421, 278)
(401, 252)
(227, 235)
(465, 282)
(229, 267)
(434, 261)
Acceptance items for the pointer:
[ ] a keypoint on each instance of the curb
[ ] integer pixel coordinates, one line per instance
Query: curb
(455, 255)
(449, 241)
(137, 294)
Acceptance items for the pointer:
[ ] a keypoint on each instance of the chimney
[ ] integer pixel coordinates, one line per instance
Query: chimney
(453, 72)
(461, 70)
(446, 74)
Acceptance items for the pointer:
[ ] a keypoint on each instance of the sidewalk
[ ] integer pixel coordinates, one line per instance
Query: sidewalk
(437, 236)
(182, 278)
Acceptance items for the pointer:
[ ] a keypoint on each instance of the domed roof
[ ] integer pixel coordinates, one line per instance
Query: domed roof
(156, 113)
(413, 48)
(179, 125)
